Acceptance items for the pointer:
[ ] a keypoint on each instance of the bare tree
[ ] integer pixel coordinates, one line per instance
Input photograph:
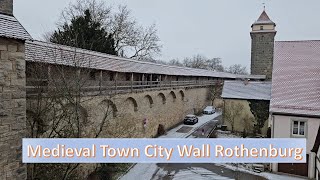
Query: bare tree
(232, 113)
(131, 39)
(214, 64)
(57, 97)
(215, 91)
(175, 62)
(197, 61)
(237, 69)
(201, 62)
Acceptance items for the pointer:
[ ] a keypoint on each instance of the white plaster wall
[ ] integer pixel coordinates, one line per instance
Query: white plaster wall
(282, 128)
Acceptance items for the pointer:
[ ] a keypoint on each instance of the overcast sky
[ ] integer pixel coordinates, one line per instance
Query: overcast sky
(214, 28)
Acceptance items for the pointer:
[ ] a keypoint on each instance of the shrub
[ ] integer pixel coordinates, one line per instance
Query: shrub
(161, 130)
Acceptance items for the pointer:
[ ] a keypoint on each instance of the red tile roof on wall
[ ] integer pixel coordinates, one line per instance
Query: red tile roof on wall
(296, 78)
(44, 52)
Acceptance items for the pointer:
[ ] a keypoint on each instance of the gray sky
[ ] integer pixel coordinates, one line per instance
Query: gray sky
(214, 28)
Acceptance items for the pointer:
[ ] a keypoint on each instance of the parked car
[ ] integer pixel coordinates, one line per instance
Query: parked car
(209, 110)
(191, 119)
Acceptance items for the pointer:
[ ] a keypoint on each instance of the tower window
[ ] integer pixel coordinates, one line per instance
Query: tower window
(92, 75)
(261, 27)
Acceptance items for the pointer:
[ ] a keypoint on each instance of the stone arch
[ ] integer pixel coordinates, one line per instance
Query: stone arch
(134, 102)
(162, 97)
(110, 104)
(174, 97)
(150, 100)
(182, 95)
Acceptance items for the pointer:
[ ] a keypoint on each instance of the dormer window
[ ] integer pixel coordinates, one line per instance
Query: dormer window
(261, 27)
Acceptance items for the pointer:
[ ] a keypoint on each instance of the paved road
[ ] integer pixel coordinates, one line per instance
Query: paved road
(188, 171)
(199, 172)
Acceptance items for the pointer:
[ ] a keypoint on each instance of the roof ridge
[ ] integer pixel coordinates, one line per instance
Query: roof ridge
(96, 53)
(114, 57)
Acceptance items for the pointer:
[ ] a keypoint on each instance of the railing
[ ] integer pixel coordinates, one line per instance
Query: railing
(43, 85)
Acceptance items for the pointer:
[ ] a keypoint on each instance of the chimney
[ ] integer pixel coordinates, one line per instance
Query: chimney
(6, 7)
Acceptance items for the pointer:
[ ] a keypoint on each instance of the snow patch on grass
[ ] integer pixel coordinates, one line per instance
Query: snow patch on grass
(226, 134)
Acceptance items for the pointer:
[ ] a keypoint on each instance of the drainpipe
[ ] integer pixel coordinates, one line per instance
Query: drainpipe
(273, 166)
(272, 129)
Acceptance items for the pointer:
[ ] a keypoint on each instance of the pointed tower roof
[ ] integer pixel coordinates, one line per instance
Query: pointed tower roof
(263, 19)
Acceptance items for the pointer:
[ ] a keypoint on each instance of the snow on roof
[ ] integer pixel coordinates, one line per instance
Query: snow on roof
(259, 90)
(38, 51)
(296, 78)
(11, 28)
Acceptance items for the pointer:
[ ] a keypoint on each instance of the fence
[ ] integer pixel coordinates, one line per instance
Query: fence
(35, 86)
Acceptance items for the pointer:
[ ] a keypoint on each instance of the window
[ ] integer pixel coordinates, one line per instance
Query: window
(261, 27)
(128, 76)
(92, 75)
(299, 128)
(111, 76)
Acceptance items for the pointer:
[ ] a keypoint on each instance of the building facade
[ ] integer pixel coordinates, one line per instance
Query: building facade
(12, 93)
(262, 45)
(295, 99)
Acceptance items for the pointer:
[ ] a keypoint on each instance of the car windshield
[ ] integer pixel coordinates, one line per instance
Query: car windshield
(190, 116)
(209, 108)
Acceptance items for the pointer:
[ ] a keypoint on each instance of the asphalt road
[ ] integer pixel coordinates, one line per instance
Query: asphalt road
(200, 171)
(195, 171)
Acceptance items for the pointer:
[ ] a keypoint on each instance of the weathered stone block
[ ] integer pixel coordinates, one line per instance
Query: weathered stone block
(4, 113)
(21, 48)
(12, 48)
(7, 65)
(4, 129)
(16, 55)
(3, 47)
(4, 55)
(6, 6)
(18, 95)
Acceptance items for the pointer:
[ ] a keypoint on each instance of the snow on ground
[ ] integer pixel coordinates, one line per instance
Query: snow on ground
(197, 173)
(272, 176)
(246, 167)
(202, 120)
(226, 134)
(267, 175)
(141, 171)
(145, 171)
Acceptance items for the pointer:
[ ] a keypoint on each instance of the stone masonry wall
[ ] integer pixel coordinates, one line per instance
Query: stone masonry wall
(126, 117)
(12, 109)
(6, 6)
(262, 53)
(167, 107)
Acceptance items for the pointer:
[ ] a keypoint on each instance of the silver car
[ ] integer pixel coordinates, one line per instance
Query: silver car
(209, 110)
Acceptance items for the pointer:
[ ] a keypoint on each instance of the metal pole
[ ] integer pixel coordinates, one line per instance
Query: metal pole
(115, 79)
(131, 82)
